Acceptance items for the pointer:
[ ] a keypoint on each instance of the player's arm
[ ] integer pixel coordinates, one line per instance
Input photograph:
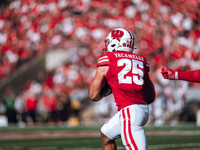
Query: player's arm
(98, 83)
(150, 91)
(192, 76)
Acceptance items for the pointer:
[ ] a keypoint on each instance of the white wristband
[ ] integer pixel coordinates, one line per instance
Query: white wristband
(176, 75)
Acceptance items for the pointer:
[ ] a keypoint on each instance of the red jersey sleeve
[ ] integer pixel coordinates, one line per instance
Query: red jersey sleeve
(103, 61)
(192, 76)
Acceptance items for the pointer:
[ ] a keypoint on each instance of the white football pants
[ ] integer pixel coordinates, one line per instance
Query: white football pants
(128, 123)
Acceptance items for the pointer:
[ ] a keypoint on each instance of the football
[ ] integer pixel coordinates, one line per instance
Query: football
(106, 90)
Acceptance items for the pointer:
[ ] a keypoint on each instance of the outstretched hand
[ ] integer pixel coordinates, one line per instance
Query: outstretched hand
(168, 73)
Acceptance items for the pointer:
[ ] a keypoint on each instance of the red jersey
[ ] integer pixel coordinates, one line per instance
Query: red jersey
(126, 76)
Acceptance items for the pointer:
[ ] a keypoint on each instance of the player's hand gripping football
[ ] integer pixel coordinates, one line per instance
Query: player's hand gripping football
(168, 73)
(106, 90)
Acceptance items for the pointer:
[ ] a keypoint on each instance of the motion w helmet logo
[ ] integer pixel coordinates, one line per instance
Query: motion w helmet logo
(117, 34)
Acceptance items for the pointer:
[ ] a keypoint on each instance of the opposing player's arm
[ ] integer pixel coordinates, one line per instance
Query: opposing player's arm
(98, 83)
(192, 76)
(150, 91)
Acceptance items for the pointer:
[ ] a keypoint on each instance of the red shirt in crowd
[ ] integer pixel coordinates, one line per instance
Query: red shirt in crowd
(31, 104)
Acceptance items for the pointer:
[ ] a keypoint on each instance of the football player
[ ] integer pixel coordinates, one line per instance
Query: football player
(127, 75)
(192, 76)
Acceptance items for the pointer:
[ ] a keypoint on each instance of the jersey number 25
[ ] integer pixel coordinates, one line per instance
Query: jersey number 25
(136, 68)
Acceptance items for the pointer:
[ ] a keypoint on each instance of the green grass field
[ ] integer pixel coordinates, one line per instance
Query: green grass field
(181, 137)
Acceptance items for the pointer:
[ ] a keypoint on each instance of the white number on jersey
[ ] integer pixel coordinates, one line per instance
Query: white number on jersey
(136, 68)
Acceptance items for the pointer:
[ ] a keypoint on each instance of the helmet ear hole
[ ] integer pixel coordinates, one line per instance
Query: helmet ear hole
(113, 45)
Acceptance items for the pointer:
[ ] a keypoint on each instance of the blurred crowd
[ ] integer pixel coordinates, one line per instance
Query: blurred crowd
(167, 34)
